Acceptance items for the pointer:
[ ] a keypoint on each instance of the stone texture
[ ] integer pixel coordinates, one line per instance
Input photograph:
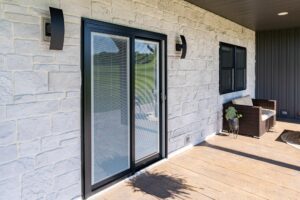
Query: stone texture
(8, 132)
(31, 109)
(68, 179)
(69, 56)
(24, 98)
(55, 141)
(2, 113)
(68, 165)
(53, 156)
(14, 8)
(76, 7)
(64, 81)
(6, 85)
(18, 62)
(37, 183)
(70, 141)
(21, 17)
(33, 128)
(70, 104)
(17, 167)
(5, 29)
(31, 82)
(28, 31)
(6, 45)
(72, 192)
(10, 189)
(6, 99)
(72, 30)
(8, 153)
(28, 47)
(50, 96)
(46, 67)
(31, 148)
(2, 65)
(69, 68)
(63, 122)
(43, 59)
(73, 94)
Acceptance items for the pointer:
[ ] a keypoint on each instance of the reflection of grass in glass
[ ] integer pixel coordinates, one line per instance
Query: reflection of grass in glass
(145, 82)
(107, 84)
(107, 90)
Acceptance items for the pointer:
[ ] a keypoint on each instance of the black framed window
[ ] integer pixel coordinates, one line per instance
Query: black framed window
(233, 68)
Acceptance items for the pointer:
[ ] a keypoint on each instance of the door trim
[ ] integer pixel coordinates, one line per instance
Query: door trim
(88, 26)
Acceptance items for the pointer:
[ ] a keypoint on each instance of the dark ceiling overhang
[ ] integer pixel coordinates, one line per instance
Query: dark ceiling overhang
(257, 15)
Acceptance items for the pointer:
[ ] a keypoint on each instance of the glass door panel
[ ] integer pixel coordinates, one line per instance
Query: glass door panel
(109, 106)
(146, 99)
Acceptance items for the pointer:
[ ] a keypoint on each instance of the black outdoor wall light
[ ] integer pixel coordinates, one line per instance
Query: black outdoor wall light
(182, 47)
(55, 29)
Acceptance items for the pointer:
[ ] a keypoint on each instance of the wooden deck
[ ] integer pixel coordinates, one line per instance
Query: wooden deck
(221, 168)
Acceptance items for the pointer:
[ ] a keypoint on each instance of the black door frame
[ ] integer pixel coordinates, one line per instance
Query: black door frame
(88, 26)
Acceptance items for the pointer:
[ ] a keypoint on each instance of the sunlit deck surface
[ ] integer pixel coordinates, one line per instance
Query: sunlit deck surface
(222, 168)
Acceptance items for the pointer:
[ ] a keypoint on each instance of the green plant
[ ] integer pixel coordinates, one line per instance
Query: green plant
(231, 113)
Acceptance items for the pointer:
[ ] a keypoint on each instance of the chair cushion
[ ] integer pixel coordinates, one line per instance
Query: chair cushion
(245, 101)
(267, 113)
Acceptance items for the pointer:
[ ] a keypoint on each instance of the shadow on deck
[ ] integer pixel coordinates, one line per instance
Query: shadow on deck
(161, 185)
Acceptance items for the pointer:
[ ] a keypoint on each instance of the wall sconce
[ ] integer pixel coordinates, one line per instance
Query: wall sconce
(182, 47)
(55, 29)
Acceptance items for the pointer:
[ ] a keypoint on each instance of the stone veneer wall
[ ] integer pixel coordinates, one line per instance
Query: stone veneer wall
(40, 89)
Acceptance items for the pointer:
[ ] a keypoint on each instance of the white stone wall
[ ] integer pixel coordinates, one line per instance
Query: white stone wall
(40, 89)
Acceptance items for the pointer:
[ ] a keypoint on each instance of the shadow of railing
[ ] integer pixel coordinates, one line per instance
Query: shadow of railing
(251, 156)
(161, 185)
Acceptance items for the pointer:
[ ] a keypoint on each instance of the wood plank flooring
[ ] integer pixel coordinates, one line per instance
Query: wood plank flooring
(221, 168)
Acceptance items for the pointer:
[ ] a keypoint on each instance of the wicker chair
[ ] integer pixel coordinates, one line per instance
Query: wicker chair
(257, 118)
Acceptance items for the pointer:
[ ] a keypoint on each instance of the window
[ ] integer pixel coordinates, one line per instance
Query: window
(233, 70)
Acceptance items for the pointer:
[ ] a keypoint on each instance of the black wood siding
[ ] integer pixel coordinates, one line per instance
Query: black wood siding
(278, 69)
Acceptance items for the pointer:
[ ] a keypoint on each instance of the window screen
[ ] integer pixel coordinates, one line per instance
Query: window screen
(232, 68)
(240, 69)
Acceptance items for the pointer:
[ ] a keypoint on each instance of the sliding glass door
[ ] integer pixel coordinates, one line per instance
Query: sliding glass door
(110, 105)
(123, 102)
(146, 99)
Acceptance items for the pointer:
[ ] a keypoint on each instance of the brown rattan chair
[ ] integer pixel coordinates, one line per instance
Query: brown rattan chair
(257, 119)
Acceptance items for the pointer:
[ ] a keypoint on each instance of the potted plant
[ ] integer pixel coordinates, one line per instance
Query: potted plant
(232, 117)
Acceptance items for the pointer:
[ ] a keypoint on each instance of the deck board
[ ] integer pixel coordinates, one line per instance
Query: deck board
(221, 168)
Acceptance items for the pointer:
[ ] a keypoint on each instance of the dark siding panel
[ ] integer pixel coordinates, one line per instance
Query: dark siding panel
(291, 74)
(278, 68)
(297, 73)
(268, 62)
(282, 72)
(276, 65)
